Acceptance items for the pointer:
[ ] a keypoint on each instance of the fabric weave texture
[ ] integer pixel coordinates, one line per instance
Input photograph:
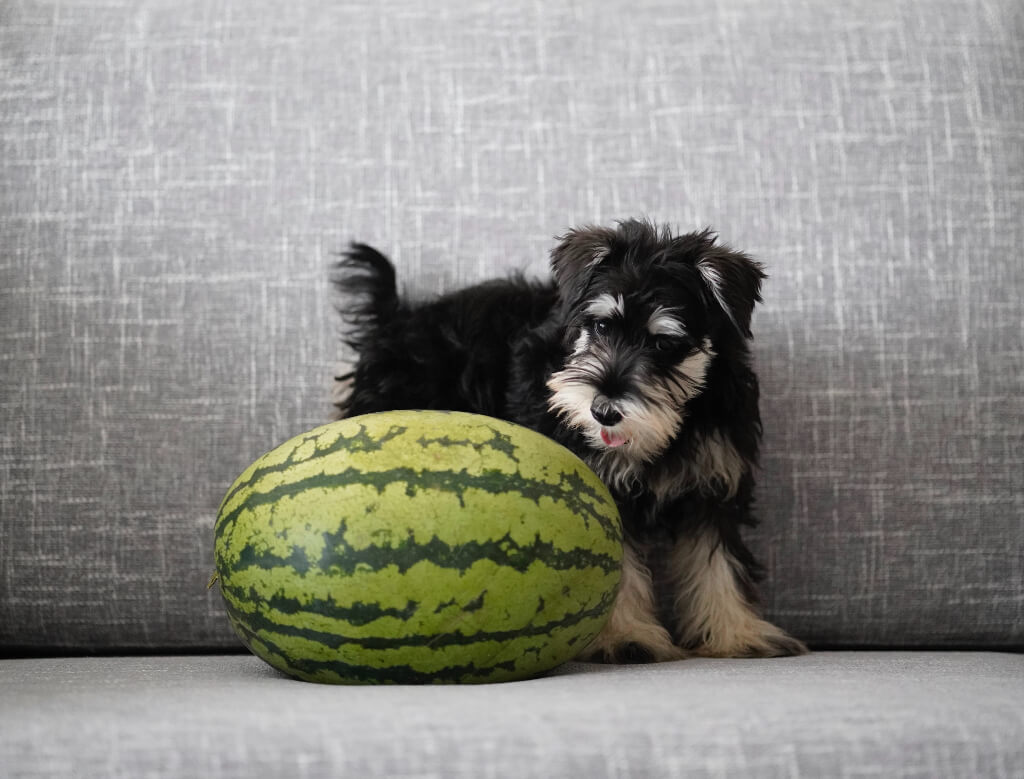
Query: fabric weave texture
(174, 178)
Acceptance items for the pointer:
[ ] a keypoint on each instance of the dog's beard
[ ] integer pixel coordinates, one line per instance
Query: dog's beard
(653, 408)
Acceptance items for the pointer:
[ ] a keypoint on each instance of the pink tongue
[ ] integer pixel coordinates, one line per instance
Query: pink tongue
(612, 439)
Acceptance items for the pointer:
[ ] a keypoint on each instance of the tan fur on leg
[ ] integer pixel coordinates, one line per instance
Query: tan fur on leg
(633, 624)
(714, 619)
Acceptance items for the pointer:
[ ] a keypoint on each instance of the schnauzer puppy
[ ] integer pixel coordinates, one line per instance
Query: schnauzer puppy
(634, 357)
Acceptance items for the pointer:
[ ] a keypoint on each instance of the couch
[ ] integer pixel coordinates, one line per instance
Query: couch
(175, 178)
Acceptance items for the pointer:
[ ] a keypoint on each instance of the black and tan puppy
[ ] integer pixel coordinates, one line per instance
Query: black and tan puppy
(635, 357)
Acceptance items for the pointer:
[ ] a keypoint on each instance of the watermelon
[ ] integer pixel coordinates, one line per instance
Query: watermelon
(416, 547)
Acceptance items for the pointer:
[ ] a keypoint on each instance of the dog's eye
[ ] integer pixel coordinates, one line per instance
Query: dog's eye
(602, 327)
(664, 343)
(673, 343)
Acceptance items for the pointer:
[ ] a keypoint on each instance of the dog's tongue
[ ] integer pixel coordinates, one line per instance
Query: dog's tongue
(612, 439)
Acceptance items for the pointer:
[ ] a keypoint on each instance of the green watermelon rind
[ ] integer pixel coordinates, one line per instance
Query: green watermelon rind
(320, 600)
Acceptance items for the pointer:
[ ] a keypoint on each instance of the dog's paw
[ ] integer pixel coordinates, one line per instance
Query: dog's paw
(782, 645)
(756, 638)
(632, 652)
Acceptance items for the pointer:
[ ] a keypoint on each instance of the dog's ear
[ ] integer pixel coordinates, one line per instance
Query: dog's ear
(573, 260)
(734, 280)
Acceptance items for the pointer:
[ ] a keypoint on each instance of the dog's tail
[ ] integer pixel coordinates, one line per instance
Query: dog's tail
(366, 280)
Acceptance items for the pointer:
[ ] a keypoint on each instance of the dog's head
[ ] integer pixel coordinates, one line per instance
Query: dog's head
(645, 314)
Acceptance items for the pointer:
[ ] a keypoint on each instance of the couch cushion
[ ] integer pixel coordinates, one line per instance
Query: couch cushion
(830, 714)
(175, 176)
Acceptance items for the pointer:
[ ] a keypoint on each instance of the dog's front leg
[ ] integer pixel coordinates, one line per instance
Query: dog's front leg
(633, 633)
(713, 608)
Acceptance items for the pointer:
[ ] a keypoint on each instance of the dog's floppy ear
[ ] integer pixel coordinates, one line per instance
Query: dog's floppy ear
(578, 252)
(734, 280)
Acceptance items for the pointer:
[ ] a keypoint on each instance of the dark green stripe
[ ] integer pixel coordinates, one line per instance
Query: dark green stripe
(494, 482)
(498, 442)
(339, 557)
(357, 443)
(395, 674)
(257, 622)
(357, 614)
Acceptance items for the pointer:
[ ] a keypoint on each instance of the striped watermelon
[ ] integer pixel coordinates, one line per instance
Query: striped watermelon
(418, 546)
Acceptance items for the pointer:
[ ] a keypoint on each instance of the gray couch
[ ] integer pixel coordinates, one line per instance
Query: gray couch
(174, 177)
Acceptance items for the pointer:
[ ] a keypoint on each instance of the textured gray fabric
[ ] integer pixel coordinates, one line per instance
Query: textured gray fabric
(873, 714)
(174, 177)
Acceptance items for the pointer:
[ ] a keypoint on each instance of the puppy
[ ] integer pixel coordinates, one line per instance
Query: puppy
(635, 357)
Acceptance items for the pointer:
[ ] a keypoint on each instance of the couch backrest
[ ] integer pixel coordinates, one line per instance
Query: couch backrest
(174, 178)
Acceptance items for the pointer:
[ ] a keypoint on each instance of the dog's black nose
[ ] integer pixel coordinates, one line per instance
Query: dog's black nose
(604, 412)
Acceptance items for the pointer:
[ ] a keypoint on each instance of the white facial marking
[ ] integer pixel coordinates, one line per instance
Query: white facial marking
(606, 306)
(581, 343)
(663, 323)
(694, 371)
